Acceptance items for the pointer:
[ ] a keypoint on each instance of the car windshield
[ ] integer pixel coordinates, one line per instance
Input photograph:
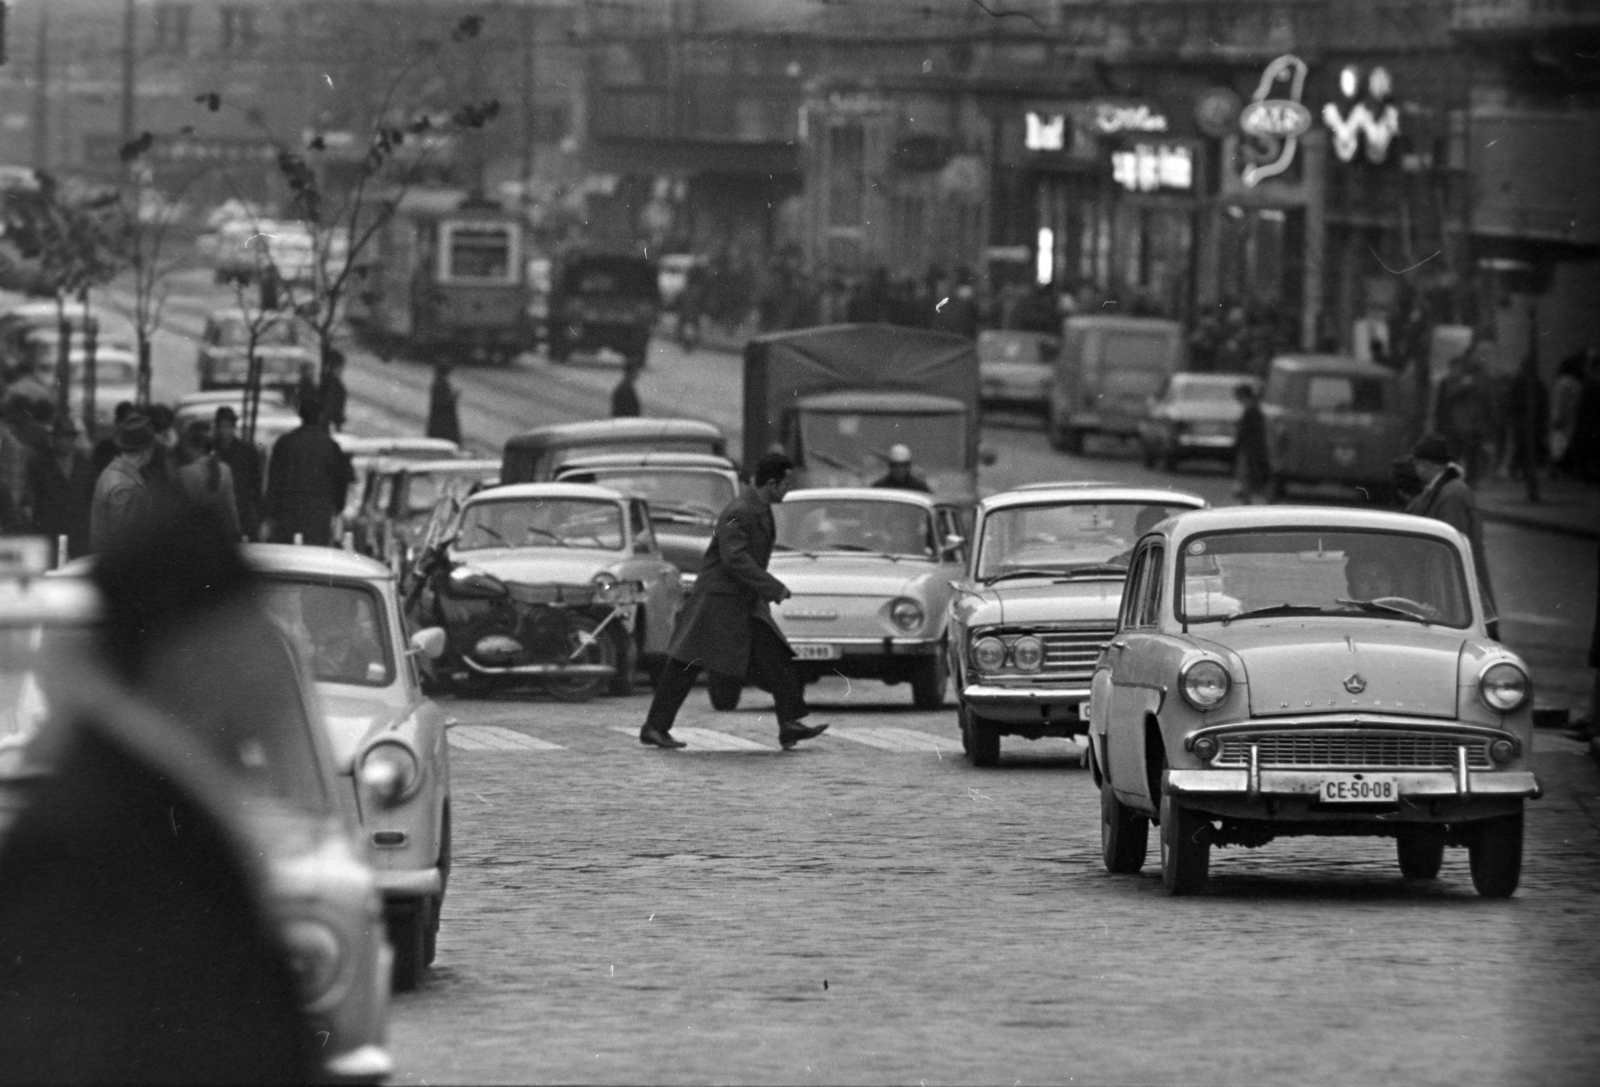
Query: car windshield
(338, 627)
(859, 442)
(855, 524)
(424, 488)
(674, 496)
(1383, 575)
(1195, 392)
(1015, 347)
(541, 522)
(1065, 538)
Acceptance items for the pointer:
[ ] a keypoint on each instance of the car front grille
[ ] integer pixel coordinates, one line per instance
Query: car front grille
(1072, 653)
(1288, 750)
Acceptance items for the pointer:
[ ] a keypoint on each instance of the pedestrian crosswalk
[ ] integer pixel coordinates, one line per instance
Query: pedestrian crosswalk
(903, 741)
(495, 738)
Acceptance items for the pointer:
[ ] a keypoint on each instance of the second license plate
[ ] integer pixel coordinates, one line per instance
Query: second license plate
(1360, 789)
(817, 652)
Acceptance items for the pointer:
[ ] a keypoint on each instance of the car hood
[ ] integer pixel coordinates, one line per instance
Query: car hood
(1069, 602)
(1300, 666)
(838, 575)
(353, 718)
(539, 565)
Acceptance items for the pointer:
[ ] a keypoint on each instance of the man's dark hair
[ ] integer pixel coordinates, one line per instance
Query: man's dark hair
(123, 409)
(310, 410)
(772, 467)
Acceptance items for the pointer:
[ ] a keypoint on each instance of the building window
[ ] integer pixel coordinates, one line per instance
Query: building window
(171, 30)
(238, 29)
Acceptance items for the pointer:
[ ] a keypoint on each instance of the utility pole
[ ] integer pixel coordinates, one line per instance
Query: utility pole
(41, 92)
(130, 36)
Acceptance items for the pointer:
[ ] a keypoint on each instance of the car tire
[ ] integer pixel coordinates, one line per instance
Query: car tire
(963, 719)
(1495, 856)
(929, 678)
(408, 935)
(1421, 852)
(725, 692)
(430, 938)
(1185, 848)
(1124, 835)
(985, 749)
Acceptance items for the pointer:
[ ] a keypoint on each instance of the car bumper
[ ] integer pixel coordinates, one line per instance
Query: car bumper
(364, 1064)
(1208, 443)
(1423, 795)
(1024, 705)
(406, 884)
(865, 647)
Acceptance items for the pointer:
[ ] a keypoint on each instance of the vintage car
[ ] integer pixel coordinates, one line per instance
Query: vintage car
(602, 301)
(366, 450)
(398, 500)
(1106, 372)
(558, 585)
(870, 571)
(388, 741)
(1332, 419)
(1287, 670)
(1195, 415)
(1039, 602)
(1016, 369)
(116, 372)
(284, 347)
(274, 786)
(686, 491)
(539, 454)
(275, 417)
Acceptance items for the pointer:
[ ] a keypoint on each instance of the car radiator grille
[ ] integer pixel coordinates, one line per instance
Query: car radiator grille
(1073, 652)
(1403, 750)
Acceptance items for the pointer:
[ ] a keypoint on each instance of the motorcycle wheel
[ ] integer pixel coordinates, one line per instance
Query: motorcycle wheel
(600, 650)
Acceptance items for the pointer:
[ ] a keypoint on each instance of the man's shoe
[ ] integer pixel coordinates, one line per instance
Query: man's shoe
(789, 735)
(656, 738)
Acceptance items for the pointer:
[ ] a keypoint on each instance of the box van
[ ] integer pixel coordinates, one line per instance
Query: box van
(1335, 419)
(1108, 370)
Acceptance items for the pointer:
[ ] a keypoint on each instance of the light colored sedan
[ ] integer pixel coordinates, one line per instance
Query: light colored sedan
(1038, 603)
(1195, 415)
(1016, 369)
(1280, 671)
(388, 740)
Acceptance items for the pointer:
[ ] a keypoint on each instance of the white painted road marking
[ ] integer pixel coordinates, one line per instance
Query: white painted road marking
(887, 738)
(494, 738)
(707, 739)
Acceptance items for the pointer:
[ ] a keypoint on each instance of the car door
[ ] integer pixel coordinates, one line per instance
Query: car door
(663, 588)
(1135, 686)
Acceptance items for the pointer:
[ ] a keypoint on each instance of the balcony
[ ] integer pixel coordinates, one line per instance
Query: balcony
(1523, 17)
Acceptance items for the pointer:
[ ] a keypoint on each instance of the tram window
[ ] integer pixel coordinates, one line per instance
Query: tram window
(479, 253)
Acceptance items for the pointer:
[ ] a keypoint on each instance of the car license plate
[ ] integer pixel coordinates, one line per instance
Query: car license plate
(1360, 789)
(817, 652)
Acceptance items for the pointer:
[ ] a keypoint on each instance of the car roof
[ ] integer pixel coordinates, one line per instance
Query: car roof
(887, 401)
(649, 458)
(1043, 494)
(358, 443)
(880, 494)
(613, 430)
(311, 561)
(1227, 518)
(548, 490)
(1331, 364)
(1190, 377)
(465, 466)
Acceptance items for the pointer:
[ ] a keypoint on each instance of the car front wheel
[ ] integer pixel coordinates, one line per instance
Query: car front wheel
(982, 740)
(928, 681)
(1124, 835)
(1495, 856)
(408, 934)
(1185, 848)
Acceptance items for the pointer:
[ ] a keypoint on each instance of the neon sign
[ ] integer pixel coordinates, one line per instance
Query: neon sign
(1154, 167)
(1275, 124)
(1374, 121)
(1045, 133)
(1114, 117)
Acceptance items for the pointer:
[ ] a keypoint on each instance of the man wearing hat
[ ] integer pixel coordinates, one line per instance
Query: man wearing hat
(61, 488)
(121, 494)
(1446, 497)
(900, 476)
(244, 461)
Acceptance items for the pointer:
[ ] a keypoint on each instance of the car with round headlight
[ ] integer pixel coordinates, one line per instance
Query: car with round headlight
(388, 741)
(1038, 602)
(555, 585)
(1280, 671)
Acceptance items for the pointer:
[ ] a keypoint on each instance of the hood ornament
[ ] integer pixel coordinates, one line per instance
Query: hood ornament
(1354, 683)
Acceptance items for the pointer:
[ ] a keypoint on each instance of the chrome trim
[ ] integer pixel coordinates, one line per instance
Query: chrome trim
(988, 693)
(1463, 775)
(1352, 720)
(1254, 780)
(1424, 784)
(541, 669)
(408, 883)
(898, 643)
(367, 1063)
(1495, 662)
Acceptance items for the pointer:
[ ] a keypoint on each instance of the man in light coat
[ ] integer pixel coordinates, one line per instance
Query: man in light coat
(122, 494)
(726, 625)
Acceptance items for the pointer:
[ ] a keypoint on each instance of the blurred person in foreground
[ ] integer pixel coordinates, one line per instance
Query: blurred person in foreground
(244, 461)
(105, 450)
(307, 481)
(1446, 497)
(61, 489)
(134, 941)
(123, 494)
(205, 479)
(1252, 460)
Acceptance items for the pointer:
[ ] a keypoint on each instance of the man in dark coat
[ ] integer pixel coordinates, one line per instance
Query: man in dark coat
(625, 397)
(444, 420)
(334, 394)
(61, 487)
(1252, 461)
(308, 478)
(726, 625)
(244, 461)
(1446, 497)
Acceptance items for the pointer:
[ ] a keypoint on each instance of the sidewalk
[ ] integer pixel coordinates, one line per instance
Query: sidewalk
(1567, 507)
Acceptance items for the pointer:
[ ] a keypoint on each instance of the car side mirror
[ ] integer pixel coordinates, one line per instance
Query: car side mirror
(987, 456)
(430, 642)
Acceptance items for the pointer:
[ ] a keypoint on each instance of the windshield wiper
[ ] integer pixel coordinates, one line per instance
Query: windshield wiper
(1097, 569)
(1276, 609)
(1375, 608)
(1009, 574)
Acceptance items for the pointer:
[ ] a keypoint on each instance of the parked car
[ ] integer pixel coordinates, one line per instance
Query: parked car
(365, 451)
(603, 301)
(1194, 415)
(298, 821)
(1333, 419)
(1106, 372)
(275, 417)
(1016, 369)
(559, 585)
(686, 492)
(284, 346)
(1281, 671)
(1039, 602)
(399, 499)
(116, 379)
(539, 454)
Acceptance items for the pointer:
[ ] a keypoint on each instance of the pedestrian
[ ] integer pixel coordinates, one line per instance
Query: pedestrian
(14, 461)
(105, 450)
(1528, 404)
(1462, 414)
(1565, 395)
(1252, 459)
(308, 478)
(1447, 497)
(625, 397)
(244, 461)
(122, 493)
(726, 625)
(901, 476)
(1582, 458)
(162, 469)
(206, 480)
(444, 418)
(333, 392)
(61, 489)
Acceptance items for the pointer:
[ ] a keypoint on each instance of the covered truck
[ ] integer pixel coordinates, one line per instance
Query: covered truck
(836, 398)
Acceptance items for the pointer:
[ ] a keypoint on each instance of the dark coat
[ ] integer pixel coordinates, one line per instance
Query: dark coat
(334, 397)
(1252, 459)
(444, 421)
(625, 401)
(733, 588)
(61, 500)
(1449, 499)
(244, 461)
(307, 481)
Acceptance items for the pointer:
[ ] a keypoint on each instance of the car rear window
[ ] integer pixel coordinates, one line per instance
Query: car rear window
(1337, 392)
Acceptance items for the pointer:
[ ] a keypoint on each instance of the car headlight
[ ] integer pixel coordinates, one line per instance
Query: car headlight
(391, 771)
(1027, 653)
(465, 581)
(906, 614)
(1504, 687)
(315, 955)
(989, 654)
(606, 587)
(1204, 684)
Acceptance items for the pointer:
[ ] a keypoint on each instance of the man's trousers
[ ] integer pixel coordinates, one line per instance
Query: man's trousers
(770, 666)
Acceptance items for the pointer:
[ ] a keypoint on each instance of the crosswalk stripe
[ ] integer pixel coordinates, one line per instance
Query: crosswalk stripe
(491, 738)
(518, 739)
(902, 740)
(707, 739)
(465, 742)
